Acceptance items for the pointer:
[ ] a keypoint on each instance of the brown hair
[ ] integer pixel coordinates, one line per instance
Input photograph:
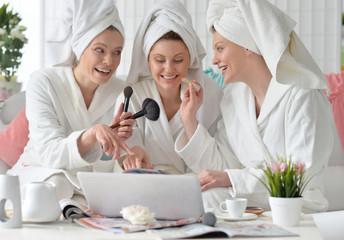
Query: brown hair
(112, 28)
(170, 36)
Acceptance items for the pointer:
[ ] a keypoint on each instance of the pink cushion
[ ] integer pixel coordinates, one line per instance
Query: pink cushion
(14, 138)
(335, 84)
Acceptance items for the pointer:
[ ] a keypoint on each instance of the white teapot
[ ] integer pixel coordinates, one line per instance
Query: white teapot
(40, 203)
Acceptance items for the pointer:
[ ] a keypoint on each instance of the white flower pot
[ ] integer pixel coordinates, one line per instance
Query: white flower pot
(286, 211)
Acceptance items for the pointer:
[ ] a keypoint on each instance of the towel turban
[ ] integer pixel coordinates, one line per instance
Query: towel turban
(165, 16)
(263, 28)
(82, 21)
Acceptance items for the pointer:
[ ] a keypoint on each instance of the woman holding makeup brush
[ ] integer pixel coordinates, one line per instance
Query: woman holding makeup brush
(70, 106)
(166, 50)
(273, 105)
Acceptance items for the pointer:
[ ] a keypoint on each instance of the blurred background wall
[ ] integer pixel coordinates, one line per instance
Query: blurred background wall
(319, 26)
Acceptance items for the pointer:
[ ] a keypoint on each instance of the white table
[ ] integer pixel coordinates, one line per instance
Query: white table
(67, 230)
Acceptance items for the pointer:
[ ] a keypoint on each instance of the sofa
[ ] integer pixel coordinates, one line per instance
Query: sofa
(14, 136)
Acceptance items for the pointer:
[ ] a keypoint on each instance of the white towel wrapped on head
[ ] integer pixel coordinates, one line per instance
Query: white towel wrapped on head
(81, 22)
(263, 28)
(165, 16)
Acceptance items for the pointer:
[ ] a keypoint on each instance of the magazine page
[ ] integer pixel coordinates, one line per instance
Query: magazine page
(118, 225)
(186, 228)
(186, 231)
(243, 228)
(72, 209)
(144, 171)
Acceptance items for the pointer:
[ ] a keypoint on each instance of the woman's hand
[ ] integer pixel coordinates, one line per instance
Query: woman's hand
(125, 130)
(213, 178)
(191, 103)
(111, 139)
(138, 158)
(104, 135)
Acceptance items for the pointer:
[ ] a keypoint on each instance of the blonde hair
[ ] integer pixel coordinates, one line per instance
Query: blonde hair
(292, 40)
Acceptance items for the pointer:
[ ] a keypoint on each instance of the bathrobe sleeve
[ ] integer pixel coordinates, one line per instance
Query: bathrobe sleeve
(215, 153)
(52, 138)
(205, 151)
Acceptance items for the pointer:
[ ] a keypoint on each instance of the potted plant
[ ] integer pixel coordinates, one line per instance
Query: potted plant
(12, 40)
(285, 180)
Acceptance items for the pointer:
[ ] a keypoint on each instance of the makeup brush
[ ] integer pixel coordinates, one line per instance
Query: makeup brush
(209, 219)
(150, 109)
(128, 91)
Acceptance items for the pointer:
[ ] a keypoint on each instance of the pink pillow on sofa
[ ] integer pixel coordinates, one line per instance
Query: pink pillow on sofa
(335, 84)
(14, 138)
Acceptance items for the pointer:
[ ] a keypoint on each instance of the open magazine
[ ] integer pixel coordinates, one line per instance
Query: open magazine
(255, 228)
(144, 171)
(120, 225)
(186, 228)
(72, 209)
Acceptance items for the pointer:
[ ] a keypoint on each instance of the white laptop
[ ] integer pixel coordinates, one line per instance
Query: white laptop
(168, 196)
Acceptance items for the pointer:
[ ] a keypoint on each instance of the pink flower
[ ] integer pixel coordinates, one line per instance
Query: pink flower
(285, 177)
(274, 167)
(300, 168)
(278, 167)
(283, 167)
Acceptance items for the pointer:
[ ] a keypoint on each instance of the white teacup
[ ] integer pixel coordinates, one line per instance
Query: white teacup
(235, 207)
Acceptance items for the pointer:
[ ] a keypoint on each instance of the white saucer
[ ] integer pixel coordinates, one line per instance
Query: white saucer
(246, 216)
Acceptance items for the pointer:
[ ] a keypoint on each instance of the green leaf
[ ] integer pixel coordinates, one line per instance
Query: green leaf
(10, 52)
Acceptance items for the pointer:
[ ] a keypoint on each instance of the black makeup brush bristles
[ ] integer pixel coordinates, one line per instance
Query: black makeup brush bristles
(128, 91)
(152, 108)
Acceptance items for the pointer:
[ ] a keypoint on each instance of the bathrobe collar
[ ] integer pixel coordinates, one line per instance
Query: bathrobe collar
(244, 109)
(160, 128)
(72, 102)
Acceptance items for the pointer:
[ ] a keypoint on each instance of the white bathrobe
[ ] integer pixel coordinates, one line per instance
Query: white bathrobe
(288, 112)
(57, 116)
(158, 137)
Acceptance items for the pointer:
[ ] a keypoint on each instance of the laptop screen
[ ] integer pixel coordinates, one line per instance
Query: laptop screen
(170, 197)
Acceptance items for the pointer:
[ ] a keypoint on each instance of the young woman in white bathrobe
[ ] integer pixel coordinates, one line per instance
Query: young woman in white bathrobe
(167, 49)
(273, 105)
(70, 107)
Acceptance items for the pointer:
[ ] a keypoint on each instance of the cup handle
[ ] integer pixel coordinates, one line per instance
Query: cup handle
(223, 209)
